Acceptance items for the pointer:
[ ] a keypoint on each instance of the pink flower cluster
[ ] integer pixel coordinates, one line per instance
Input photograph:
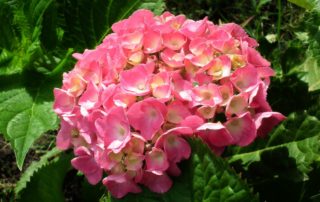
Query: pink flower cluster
(127, 104)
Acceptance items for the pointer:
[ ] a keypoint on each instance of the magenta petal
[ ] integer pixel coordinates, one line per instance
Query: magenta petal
(266, 121)
(176, 148)
(242, 129)
(119, 185)
(215, 134)
(157, 183)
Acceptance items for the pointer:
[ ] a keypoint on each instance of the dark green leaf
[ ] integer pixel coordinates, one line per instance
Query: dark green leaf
(46, 184)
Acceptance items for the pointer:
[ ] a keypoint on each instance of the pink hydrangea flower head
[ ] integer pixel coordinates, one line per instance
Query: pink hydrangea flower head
(128, 105)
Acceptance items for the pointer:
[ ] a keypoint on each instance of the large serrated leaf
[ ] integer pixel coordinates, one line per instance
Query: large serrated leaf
(26, 112)
(47, 182)
(205, 177)
(33, 168)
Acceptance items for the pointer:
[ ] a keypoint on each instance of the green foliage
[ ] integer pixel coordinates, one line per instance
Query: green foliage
(47, 181)
(289, 157)
(34, 168)
(307, 4)
(26, 113)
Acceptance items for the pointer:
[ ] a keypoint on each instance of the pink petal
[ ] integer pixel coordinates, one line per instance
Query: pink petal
(208, 95)
(215, 134)
(242, 129)
(134, 161)
(157, 183)
(64, 137)
(192, 122)
(176, 148)
(147, 116)
(90, 98)
(256, 59)
(115, 129)
(193, 29)
(174, 40)
(135, 81)
(266, 121)
(156, 161)
(237, 105)
(172, 58)
(258, 99)
(119, 185)
(63, 102)
(245, 79)
(177, 112)
(206, 112)
(152, 41)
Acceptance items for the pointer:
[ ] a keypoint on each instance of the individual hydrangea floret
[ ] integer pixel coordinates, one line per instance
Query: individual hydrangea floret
(128, 105)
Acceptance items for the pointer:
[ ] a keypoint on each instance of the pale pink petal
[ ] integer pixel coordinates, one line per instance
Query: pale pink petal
(64, 102)
(90, 98)
(193, 29)
(115, 129)
(172, 58)
(136, 80)
(208, 95)
(174, 40)
(237, 105)
(206, 112)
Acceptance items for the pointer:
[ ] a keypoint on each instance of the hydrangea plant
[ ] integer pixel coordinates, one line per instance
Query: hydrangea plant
(128, 104)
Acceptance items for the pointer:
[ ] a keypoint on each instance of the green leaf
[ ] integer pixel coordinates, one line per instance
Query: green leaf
(46, 183)
(311, 67)
(205, 177)
(285, 160)
(26, 112)
(307, 4)
(34, 168)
